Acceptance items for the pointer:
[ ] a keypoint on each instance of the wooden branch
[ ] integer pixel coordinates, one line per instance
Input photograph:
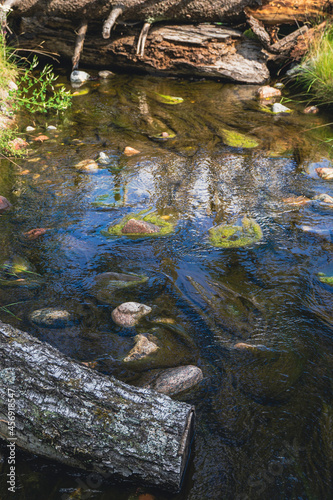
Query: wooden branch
(72, 414)
(111, 20)
(81, 35)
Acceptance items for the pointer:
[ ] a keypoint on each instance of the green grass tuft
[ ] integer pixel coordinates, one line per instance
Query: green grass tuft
(316, 72)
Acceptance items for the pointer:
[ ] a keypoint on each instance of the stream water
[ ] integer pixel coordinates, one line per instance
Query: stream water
(264, 414)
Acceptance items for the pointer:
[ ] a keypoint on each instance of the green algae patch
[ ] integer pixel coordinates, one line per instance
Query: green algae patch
(228, 236)
(328, 280)
(165, 226)
(237, 140)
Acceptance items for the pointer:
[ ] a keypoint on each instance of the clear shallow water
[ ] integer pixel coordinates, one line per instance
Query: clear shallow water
(264, 417)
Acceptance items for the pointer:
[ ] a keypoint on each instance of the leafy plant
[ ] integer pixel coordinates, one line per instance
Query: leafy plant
(37, 93)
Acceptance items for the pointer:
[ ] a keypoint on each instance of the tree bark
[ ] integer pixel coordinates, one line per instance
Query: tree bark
(291, 11)
(69, 413)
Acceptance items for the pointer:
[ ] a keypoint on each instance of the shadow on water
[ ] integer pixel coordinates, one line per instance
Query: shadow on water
(256, 319)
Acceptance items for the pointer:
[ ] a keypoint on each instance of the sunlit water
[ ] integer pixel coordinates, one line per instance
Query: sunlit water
(264, 416)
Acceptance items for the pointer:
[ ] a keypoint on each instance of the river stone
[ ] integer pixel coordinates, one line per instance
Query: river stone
(278, 108)
(4, 204)
(325, 173)
(268, 92)
(134, 226)
(51, 317)
(324, 198)
(128, 151)
(105, 74)
(87, 166)
(79, 76)
(143, 347)
(106, 284)
(296, 200)
(129, 314)
(175, 380)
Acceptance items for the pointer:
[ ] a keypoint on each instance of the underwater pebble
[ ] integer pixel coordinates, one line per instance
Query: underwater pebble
(175, 380)
(30, 129)
(79, 76)
(4, 203)
(41, 138)
(311, 110)
(105, 74)
(129, 313)
(103, 159)
(143, 347)
(51, 127)
(267, 92)
(325, 198)
(33, 234)
(128, 151)
(279, 108)
(51, 317)
(325, 173)
(297, 200)
(87, 166)
(134, 226)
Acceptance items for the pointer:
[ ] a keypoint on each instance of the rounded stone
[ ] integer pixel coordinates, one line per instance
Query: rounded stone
(134, 226)
(129, 314)
(175, 380)
(51, 317)
(4, 203)
(87, 166)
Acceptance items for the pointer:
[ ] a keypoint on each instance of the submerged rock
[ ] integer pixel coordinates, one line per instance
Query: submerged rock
(324, 198)
(268, 92)
(79, 76)
(104, 159)
(87, 166)
(297, 200)
(264, 372)
(311, 110)
(238, 140)
(128, 151)
(106, 284)
(325, 173)
(33, 234)
(278, 108)
(129, 314)
(51, 317)
(4, 204)
(134, 226)
(173, 381)
(175, 348)
(229, 236)
(105, 74)
(143, 347)
(142, 224)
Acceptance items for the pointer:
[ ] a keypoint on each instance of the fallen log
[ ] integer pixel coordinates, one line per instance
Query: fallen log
(57, 408)
(187, 50)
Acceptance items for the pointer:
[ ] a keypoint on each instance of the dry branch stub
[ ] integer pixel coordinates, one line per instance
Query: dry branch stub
(69, 413)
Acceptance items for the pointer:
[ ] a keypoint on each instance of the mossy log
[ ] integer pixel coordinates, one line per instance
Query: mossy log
(69, 413)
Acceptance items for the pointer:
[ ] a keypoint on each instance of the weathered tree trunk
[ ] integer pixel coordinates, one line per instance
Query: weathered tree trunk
(203, 50)
(67, 412)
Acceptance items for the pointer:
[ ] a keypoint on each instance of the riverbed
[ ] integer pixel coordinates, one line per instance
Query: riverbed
(257, 319)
